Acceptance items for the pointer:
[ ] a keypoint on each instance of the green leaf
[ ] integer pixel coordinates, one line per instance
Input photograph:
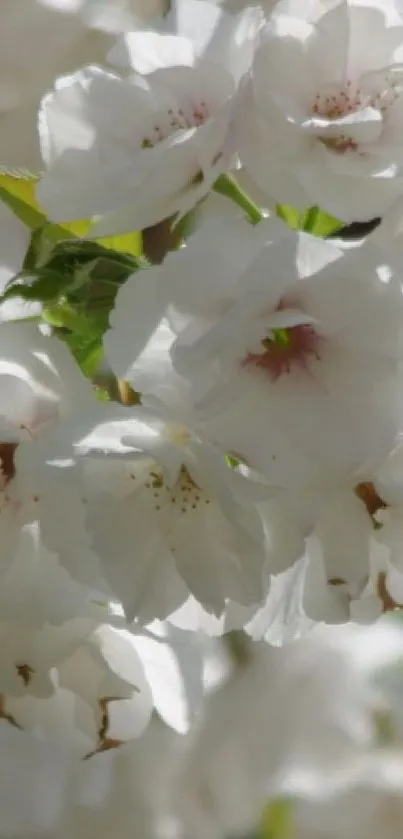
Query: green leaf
(79, 283)
(325, 225)
(30, 216)
(231, 461)
(131, 243)
(87, 352)
(43, 288)
(75, 279)
(19, 193)
(64, 316)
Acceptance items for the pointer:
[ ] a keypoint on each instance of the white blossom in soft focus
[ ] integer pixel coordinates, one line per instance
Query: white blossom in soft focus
(121, 15)
(139, 802)
(365, 800)
(215, 35)
(35, 780)
(126, 790)
(320, 118)
(39, 40)
(42, 39)
(368, 801)
(138, 149)
(298, 721)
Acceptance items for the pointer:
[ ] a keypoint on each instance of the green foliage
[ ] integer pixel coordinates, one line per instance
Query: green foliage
(77, 282)
(19, 193)
(231, 461)
(89, 277)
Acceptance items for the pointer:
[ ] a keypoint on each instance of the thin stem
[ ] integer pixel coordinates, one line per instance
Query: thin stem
(106, 383)
(311, 219)
(227, 186)
(127, 395)
(238, 645)
(280, 212)
(166, 236)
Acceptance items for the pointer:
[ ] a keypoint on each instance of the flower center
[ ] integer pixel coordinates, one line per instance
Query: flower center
(185, 495)
(284, 349)
(338, 103)
(333, 106)
(171, 121)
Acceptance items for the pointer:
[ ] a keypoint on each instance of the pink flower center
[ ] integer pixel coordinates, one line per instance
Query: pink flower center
(286, 349)
(171, 121)
(337, 105)
(350, 99)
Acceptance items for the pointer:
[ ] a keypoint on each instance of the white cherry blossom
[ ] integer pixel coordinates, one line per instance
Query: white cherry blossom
(174, 512)
(71, 670)
(162, 504)
(40, 383)
(351, 569)
(62, 667)
(100, 699)
(155, 151)
(297, 341)
(44, 617)
(319, 120)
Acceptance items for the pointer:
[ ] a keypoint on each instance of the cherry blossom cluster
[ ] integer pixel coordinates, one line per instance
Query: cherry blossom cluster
(201, 419)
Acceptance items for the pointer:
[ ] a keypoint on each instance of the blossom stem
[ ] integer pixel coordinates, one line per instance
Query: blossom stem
(166, 236)
(127, 395)
(158, 240)
(311, 219)
(239, 647)
(227, 185)
(281, 213)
